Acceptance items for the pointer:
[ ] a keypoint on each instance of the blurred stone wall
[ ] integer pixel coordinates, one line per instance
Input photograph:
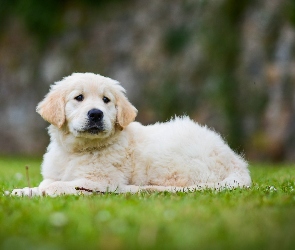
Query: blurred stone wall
(228, 64)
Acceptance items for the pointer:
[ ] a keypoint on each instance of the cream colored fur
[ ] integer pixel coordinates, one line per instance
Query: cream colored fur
(178, 155)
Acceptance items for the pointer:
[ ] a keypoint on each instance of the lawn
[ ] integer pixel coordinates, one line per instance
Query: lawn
(261, 217)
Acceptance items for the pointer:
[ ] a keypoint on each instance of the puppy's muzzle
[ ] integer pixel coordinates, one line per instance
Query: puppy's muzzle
(95, 121)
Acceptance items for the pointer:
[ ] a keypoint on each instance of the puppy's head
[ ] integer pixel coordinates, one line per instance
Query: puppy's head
(87, 105)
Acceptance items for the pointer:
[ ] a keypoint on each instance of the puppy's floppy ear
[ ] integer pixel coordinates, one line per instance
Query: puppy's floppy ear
(52, 108)
(126, 112)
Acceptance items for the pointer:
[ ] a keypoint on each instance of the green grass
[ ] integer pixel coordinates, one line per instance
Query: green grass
(262, 217)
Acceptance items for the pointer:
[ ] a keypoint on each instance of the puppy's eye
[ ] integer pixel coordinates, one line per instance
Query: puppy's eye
(106, 100)
(79, 98)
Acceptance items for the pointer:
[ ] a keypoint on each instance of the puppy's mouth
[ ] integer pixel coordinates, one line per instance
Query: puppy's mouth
(92, 128)
(95, 129)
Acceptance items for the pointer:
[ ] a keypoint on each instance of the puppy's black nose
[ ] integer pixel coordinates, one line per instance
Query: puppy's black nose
(95, 115)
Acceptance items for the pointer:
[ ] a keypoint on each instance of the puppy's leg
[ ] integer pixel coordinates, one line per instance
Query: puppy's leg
(128, 189)
(26, 192)
(231, 182)
(151, 188)
(136, 189)
(238, 179)
(54, 188)
(75, 187)
(35, 191)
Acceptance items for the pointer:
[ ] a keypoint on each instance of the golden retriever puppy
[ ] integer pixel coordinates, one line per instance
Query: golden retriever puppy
(97, 147)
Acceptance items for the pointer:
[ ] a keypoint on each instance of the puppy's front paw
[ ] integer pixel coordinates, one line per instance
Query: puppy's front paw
(26, 192)
(57, 189)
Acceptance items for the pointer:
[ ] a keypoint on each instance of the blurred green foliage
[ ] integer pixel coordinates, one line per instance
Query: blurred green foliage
(169, 100)
(202, 55)
(43, 18)
(221, 41)
(290, 11)
(176, 39)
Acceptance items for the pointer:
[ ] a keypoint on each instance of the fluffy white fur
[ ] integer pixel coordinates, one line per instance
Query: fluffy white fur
(178, 155)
